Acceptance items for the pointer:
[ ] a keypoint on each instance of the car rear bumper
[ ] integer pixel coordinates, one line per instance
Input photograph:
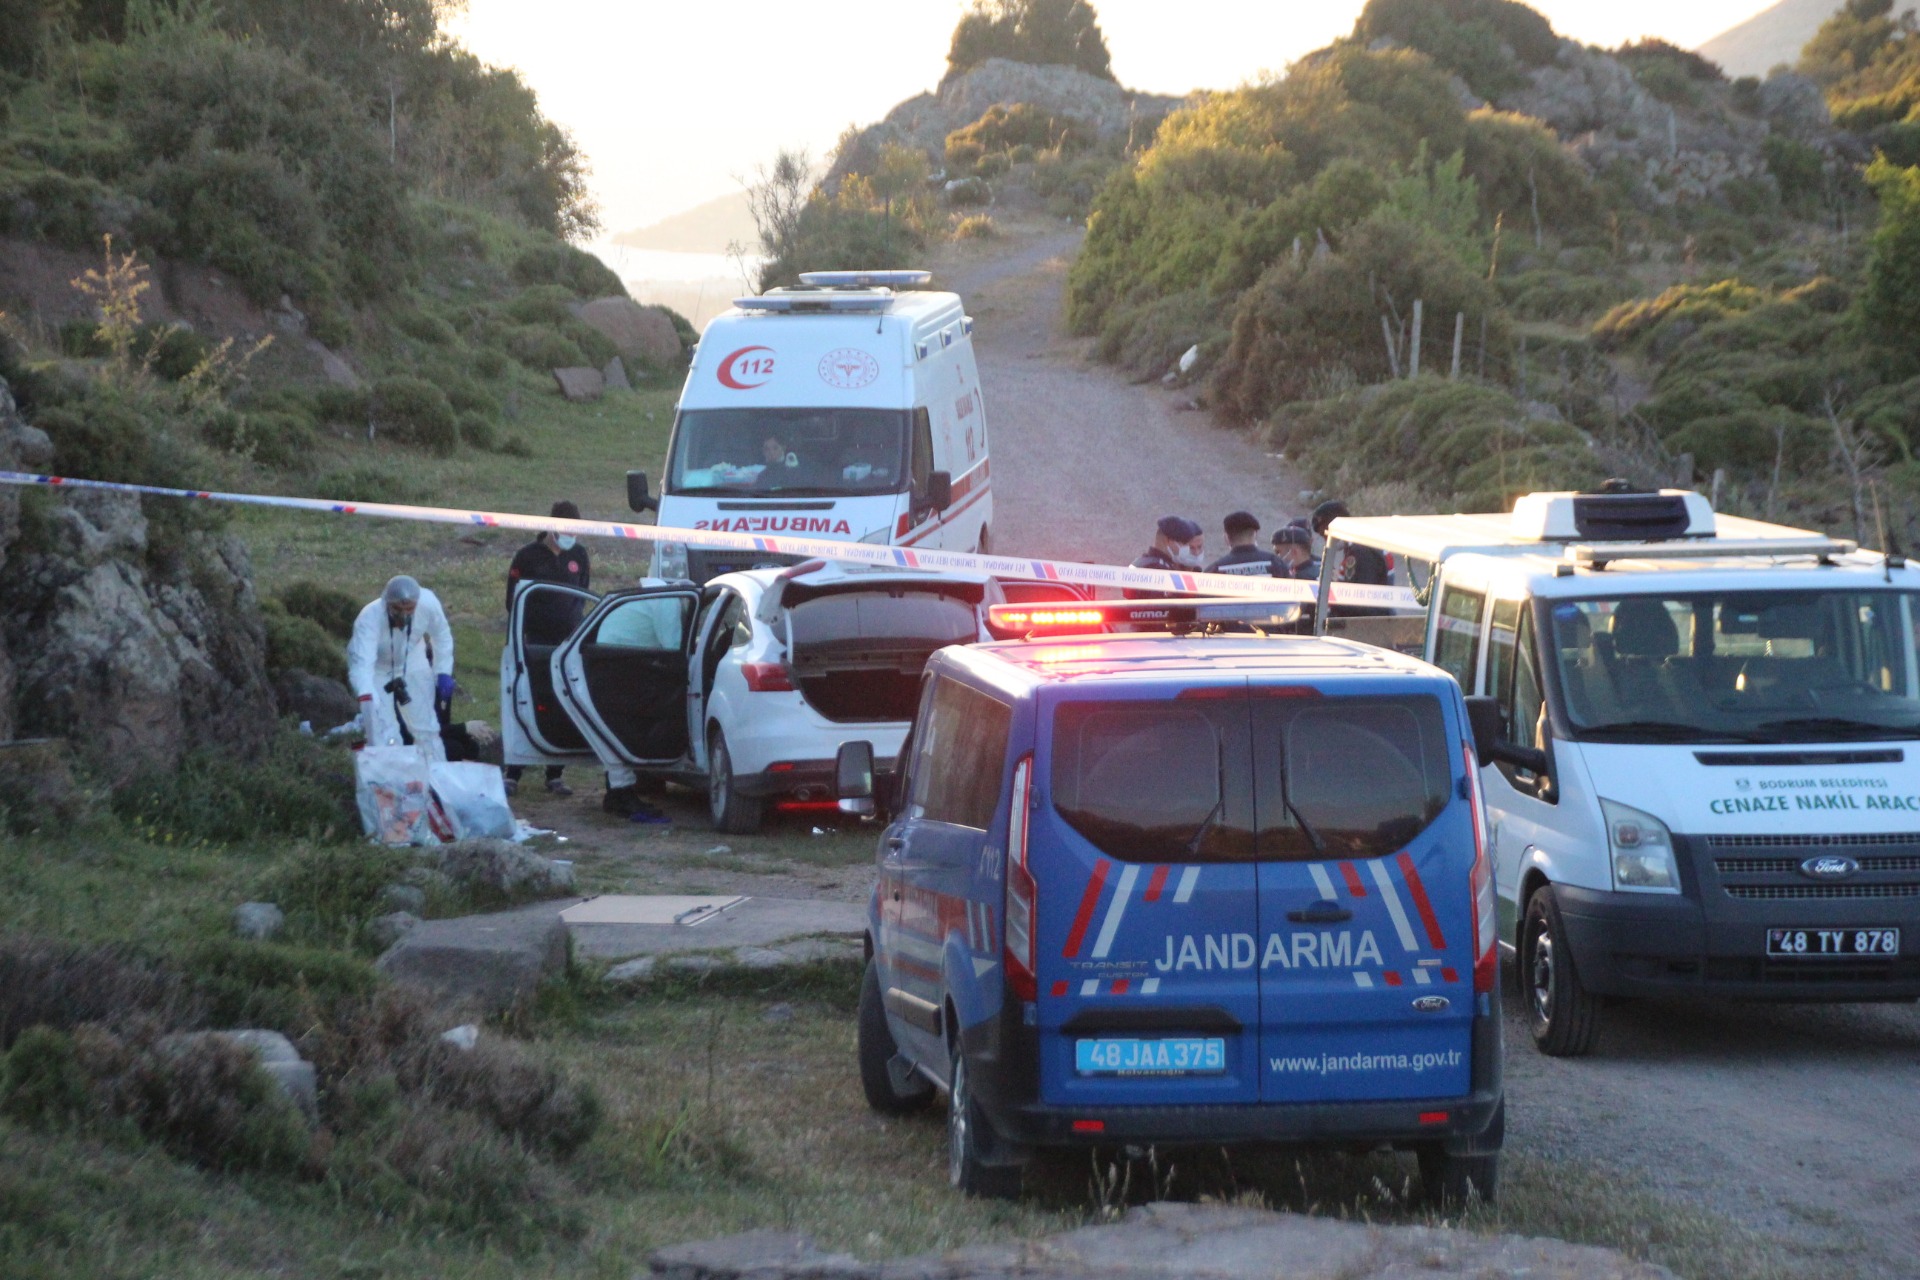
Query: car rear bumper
(1647, 945)
(1398, 1121)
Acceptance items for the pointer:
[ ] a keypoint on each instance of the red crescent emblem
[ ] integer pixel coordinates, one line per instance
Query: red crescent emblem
(726, 375)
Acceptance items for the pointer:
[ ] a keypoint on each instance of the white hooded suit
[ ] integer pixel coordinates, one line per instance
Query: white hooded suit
(418, 653)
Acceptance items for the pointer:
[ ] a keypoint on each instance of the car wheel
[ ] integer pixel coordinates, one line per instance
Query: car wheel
(1452, 1182)
(1563, 1016)
(732, 813)
(877, 1049)
(968, 1139)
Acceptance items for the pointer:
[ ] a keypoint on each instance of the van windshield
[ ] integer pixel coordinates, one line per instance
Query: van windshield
(795, 452)
(1773, 667)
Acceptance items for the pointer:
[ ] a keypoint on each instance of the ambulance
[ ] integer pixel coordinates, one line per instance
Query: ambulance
(1706, 775)
(1199, 886)
(848, 408)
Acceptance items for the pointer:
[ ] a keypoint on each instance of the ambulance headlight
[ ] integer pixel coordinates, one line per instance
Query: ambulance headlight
(1642, 850)
(670, 561)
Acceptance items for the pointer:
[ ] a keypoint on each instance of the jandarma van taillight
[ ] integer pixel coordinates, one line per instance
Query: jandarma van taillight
(1486, 950)
(1023, 903)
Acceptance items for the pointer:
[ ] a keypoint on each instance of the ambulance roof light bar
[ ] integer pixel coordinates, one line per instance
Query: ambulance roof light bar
(1819, 546)
(1086, 617)
(865, 279)
(801, 301)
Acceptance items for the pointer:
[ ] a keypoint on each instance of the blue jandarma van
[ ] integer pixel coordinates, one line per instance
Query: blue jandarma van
(1217, 888)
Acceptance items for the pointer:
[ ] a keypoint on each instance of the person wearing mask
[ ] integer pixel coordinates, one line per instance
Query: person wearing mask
(400, 664)
(1177, 544)
(1364, 566)
(1244, 559)
(1293, 553)
(551, 616)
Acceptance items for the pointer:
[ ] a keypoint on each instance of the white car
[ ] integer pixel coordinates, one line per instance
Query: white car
(746, 685)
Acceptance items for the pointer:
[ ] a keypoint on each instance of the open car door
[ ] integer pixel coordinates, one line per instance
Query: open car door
(622, 675)
(536, 727)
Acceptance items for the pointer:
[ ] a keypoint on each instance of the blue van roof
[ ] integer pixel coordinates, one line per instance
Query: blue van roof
(1121, 658)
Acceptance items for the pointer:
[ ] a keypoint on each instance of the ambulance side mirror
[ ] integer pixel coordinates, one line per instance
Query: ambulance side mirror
(637, 496)
(1483, 715)
(939, 494)
(853, 778)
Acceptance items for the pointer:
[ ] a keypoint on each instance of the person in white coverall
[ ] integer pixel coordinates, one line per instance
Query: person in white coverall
(399, 660)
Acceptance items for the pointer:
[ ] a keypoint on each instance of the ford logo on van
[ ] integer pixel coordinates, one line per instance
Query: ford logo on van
(1432, 1004)
(1829, 868)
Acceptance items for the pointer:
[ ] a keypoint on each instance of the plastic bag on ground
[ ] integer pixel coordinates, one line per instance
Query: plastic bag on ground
(471, 802)
(391, 785)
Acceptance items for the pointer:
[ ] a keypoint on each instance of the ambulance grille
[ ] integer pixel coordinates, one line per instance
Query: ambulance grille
(1790, 866)
(1812, 842)
(1802, 892)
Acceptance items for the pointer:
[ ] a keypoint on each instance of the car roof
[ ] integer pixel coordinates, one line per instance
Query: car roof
(854, 576)
(1119, 660)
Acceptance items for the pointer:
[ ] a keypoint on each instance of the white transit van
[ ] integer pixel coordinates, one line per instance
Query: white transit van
(842, 410)
(1708, 772)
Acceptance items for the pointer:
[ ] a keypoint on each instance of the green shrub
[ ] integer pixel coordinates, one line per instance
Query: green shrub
(244, 983)
(349, 406)
(415, 412)
(1891, 302)
(424, 326)
(547, 304)
(1563, 296)
(575, 270)
(516, 446)
(1487, 43)
(993, 165)
(977, 226)
(296, 787)
(273, 439)
(541, 348)
(172, 351)
(477, 432)
(300, 644)
(329, 892)
(367, 484)
(1022, 153)
(332, 609)
(963, 156)
(64, 985)
(1646, 320)
(468, 396)
(490, 362)
(1021, 124)
(41, 1082)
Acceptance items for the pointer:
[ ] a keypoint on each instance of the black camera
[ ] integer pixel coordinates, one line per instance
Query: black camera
(398, 688)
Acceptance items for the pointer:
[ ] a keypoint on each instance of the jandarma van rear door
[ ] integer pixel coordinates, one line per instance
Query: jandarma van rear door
(1366, 849)
(1140, 851)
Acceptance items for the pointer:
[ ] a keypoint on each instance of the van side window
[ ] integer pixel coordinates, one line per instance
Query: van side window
(1457, 647)
(1521, 710)
(959, 757)
(1506, 619)
(922, 457)
(1154, 781)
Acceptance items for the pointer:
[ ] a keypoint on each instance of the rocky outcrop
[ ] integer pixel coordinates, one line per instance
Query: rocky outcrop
(132, 658)
(926, 120)
(638, 333)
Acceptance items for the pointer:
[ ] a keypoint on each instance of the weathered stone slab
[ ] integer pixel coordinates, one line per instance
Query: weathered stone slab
(494, 961)
(753, 923)
(580, 385)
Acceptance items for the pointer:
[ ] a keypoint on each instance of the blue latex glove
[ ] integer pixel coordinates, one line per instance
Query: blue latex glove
(443, 686)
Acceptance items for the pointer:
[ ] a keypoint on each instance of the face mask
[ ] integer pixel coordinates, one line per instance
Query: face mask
(1186, 557)
(399, 621)
(565, 541)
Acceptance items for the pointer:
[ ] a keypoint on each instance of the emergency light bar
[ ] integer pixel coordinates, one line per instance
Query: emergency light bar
(800, 301)
(1026, 621)
(865, 279)
(1813, 544)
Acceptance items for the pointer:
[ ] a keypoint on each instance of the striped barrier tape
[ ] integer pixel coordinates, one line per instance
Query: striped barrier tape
(866, 553)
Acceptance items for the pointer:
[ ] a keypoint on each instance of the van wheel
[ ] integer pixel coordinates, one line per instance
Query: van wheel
(732, 813)
(1562, 1015)
(877, 1049)
(1451, 1180)
(968, 1140)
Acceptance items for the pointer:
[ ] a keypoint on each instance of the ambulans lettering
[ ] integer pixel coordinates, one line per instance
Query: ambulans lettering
(1322, 949)
(777, 524)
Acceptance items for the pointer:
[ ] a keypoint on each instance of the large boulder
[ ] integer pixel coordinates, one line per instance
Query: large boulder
(320, 701)
(637, 332)
(493, 961)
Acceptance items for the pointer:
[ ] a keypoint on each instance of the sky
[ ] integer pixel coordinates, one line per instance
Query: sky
(675, 103)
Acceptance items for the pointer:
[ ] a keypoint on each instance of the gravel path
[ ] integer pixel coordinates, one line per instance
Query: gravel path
(1084, 462)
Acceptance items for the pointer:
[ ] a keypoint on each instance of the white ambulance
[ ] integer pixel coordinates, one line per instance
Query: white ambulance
(1708, 773)
(842, 409)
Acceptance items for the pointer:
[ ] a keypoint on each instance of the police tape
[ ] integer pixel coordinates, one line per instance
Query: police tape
(879, 555)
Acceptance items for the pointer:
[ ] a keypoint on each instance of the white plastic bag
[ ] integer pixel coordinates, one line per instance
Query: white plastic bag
(391, 786)
(471, 801)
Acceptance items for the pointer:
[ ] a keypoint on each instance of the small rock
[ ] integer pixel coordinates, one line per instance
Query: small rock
(615, 375)
(559, 873)
(632, 972)
(760, 958)
(258, 921)
(464, 1036)
(580, 386)
(278, 1058)
(782, 1012)
(692, 964)
(719, 849)
(390, 928)
(403, 897)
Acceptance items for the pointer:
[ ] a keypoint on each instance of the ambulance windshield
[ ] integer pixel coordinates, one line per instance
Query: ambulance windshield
(792, 452)
(1773, 667)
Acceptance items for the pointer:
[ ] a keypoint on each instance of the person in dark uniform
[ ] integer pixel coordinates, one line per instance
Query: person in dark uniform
(1293, 553)
(1243, 558)
(551, 557)
(1176, 549)
(1364, 566)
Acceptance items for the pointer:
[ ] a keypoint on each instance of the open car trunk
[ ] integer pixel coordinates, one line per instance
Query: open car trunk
(858, 655)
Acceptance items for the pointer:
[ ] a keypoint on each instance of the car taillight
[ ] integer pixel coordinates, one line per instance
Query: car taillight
(1023, 900)
(1486, 949)
(767, 677)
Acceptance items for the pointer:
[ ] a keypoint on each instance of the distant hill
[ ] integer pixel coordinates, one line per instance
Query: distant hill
(1770, 37)
(707, 228)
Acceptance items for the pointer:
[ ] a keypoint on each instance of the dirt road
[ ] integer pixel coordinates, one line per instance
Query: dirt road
(1801, 1122)
(1083, 462)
